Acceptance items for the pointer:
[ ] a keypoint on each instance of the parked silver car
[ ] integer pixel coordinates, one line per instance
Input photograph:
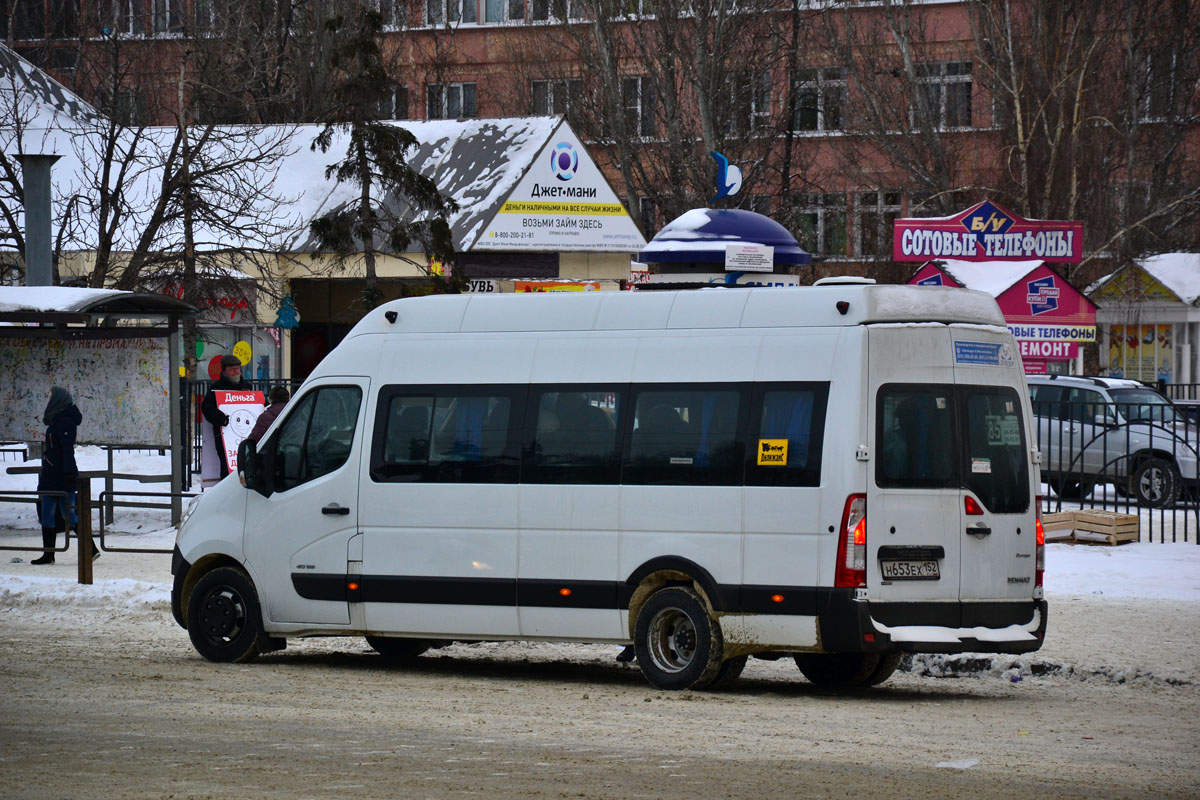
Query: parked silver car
(1108, 430)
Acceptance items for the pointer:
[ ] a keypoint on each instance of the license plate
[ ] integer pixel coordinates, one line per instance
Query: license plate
(925, 570)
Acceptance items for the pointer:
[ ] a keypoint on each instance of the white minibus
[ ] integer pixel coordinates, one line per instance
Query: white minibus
(842, 473)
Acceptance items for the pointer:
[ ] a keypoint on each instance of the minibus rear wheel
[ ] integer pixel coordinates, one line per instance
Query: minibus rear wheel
(842, 669)
(224, 620)
(678, 644)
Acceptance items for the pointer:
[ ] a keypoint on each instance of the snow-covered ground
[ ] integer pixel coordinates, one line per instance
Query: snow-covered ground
(1157, 586)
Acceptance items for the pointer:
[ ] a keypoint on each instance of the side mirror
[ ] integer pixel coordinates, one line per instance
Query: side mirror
(1106, 419)
(250, 466)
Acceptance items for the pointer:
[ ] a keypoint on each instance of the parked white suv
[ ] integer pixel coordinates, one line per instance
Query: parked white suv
(1109, 430)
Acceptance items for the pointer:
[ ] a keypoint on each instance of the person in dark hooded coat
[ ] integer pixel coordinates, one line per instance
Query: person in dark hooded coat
(59, 471)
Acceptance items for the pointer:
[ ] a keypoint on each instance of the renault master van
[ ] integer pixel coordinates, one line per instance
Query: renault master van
(843, 473)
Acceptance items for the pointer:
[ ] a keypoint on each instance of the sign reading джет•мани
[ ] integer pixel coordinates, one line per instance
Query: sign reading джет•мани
(987, 232)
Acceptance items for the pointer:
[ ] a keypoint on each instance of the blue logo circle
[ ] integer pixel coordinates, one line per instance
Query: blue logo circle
(564, 161)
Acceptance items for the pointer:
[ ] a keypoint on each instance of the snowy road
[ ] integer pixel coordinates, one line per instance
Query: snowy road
(103, 696)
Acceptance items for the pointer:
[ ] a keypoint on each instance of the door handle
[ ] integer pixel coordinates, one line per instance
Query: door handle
(334, 508)
(979, 529)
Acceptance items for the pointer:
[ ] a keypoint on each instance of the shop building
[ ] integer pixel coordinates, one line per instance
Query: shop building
(1050, 319)
(1149, 319)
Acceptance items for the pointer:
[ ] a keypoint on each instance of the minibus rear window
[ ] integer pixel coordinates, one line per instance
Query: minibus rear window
(995, 460)
(916, 439)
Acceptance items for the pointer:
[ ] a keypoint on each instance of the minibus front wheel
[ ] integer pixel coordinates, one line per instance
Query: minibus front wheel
(678, 643)
(224, 620)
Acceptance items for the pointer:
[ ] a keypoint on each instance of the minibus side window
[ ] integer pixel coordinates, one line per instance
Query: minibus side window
(790, 430)
(575, 435)
(915, 437)
(317, 436)
(686, 436)
(996, 464)
(447, 435)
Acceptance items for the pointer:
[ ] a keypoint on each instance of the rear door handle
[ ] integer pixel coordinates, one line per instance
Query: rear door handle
(334, 508)
(979, 529)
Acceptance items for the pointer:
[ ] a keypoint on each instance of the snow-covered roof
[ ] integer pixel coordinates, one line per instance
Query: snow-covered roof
(23, 301)
(39, 101)
(993, 277)
(1178, 272)
(476, 162)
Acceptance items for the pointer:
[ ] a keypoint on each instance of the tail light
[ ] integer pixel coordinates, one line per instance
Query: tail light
(852, 544)
(1040, 541)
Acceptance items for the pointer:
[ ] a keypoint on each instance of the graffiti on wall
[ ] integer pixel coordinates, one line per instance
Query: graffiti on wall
(120, 386)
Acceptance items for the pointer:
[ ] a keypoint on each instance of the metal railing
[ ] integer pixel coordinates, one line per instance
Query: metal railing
(166, 506)
(1141, 461)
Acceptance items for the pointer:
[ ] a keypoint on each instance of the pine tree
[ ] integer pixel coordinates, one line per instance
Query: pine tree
(396, 206)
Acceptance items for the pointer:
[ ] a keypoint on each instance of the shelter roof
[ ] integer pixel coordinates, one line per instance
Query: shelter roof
(72, 304)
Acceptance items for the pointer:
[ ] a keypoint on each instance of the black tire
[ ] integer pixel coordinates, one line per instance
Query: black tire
(1156, 483)
(730, 671)
(884, 669)
(224, 617)
(1071, 488)
(839, 669)
(395, 647)
(678, 645)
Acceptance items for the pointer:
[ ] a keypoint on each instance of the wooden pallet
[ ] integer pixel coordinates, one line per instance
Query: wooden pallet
(1059, 527)
(1091, 526)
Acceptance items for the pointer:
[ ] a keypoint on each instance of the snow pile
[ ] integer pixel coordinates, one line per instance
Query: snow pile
(124, 594)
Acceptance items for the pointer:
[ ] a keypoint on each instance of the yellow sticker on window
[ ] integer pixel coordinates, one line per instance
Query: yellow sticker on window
(772, 452)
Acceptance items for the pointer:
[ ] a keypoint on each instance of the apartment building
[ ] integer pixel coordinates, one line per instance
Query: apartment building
(841, 115)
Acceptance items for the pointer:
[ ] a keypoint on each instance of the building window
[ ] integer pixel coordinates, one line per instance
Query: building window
(946, 89)
(127, 107)
(28, 19)
(759, 204)
(504, 10)
(820, 98)
(639, 8)
(821, 220)
(64, 20)
(555, 10)
(168, 16)
(749, 103)
(450, 101)
(392, 13)
(117, 18)
(438, 12)
(637, 98)
(647, 215)
(874, 214)
(560, 96)
(394, 104)
(1156, 84)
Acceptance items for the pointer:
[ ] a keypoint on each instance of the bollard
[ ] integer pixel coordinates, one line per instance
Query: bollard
(83, 502)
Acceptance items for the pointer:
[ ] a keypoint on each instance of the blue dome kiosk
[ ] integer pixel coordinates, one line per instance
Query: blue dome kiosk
(692, 247)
